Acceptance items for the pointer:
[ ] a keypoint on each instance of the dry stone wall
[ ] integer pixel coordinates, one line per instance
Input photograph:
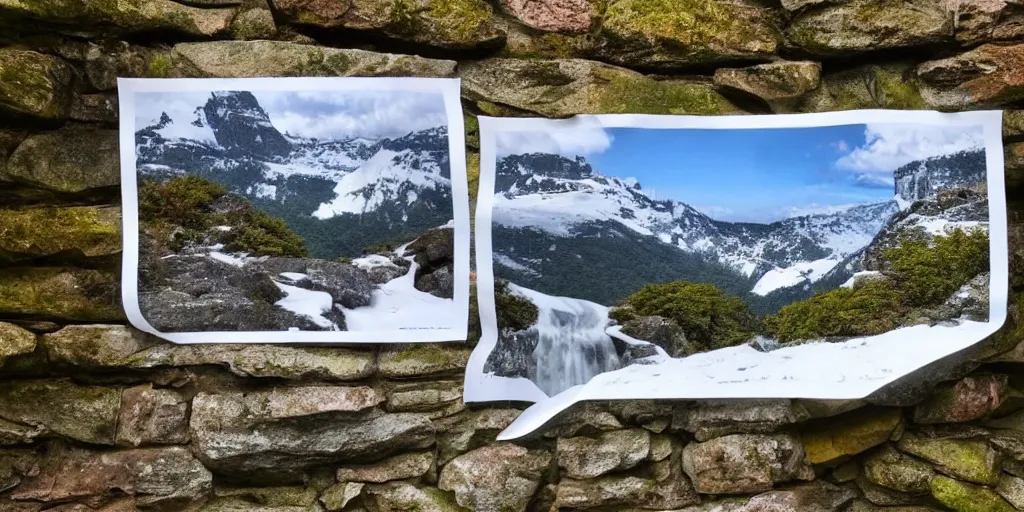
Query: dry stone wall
(95, 416)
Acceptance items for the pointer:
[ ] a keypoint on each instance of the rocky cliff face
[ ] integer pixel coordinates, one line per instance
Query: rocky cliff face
(95, 416)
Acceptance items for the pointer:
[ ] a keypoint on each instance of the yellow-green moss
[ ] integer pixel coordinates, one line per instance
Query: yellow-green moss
(927, 271)
(44, 231)
(686, 21)
(619, 92)
(871, 308)
(969, 459)
(159, 67)
(964, 497)
(53, 292)
(460, 20)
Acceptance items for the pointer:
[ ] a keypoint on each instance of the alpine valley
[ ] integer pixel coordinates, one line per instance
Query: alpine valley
(340, 195)
(564, 229)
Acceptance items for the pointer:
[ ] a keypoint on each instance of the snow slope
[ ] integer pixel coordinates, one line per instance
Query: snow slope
(399, 305)
(802, 272)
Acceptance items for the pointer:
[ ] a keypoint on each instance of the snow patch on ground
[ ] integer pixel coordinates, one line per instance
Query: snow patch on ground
(808, 271)
(372, 261)
(308, 303)
(860, 276)
(505, 261)
(230, 259)
(399, 305)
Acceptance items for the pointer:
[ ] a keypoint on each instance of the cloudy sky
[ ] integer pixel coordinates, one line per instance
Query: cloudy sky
(321, 114)
(756, 175)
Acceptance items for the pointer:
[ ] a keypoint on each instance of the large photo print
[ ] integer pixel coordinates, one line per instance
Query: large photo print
(803, 256)
(295, 209)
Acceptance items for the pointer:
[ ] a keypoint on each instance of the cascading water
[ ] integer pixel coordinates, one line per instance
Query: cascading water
(572, 344)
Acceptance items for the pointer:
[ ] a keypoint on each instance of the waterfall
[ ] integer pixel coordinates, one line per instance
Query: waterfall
(572, 345)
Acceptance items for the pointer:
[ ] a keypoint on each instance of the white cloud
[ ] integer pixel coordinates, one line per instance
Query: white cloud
(816, 209)
(576, 141)
(842, 146)
(715, 212)
(889, 146)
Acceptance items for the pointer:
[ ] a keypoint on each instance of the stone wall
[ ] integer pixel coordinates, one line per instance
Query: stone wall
(96, 416)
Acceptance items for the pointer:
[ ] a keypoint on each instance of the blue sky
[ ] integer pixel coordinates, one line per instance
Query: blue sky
(757, 175)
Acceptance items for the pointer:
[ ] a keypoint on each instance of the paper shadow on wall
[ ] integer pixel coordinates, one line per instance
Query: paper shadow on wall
(657, 257)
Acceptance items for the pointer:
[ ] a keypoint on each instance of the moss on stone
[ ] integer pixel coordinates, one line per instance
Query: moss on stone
(14, 341)
(964, 497)
(970, 459)
(34, 85)
(891, 86)
(83, 413)
(159, 67)
(848, 434)
(618, 92)
(422, 359)
(60, 293)
(514, 312)
(45, 231)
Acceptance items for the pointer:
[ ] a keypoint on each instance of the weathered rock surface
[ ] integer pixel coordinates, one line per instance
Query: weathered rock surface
(862, 25)
(890, 468)
(14, 341)
(474, 429)
(496, 477)
(710, 419)
(86, 230)
(36, 408)
(399, 467)
(677, 34)
(93, 346)
(326, 363)
(849, 434)
(157, 477)
(245, 59)
(663, 332)
(891, 85)
(103, 64)
(34, 85)
(95, 108)
(553, 15)
(71, 159)
(773, 82)
(426, 396)
(137, 16)
(962, 496)
(400, 497)
(986, 20)
(809, 497)
(968, 399)
(398, 361)
(662, 487)
(969, 459)
(152, 416)
(348, 429)
(451, 25)
(586, 457)
(1011, 489)
(988, 75)
(745, 463)
(60, 293)
(560, 88)
(337, 496)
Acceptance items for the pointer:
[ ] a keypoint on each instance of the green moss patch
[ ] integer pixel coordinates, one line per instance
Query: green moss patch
(964, 497)
(928, 272)
(45, 231)
(514, 312)
(871, 308)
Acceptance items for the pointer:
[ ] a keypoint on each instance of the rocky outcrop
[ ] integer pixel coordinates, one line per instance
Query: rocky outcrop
(778, 83)
(585, 457)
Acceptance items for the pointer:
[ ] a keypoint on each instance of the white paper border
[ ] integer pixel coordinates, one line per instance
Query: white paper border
(449, 89)
(480, 387)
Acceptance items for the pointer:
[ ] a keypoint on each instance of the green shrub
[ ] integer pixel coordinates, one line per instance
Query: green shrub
(260, 234)
(709, 317)
(182, 201)
(928, 273)
(382, 247)
(514, 312)
(872, 307)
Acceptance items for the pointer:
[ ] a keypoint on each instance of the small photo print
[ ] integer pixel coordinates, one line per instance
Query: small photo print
(295, 209)
(804, 256)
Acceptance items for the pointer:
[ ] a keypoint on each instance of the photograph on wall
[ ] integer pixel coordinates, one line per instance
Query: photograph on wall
(313, 210)
(670, 257)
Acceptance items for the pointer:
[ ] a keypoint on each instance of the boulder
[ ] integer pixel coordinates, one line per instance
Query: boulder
(14, 341)
(965, 497)
(152, 416)
(1011, 488)
(849, 434)
(164, 478)
(884, 496)
(337, 496)
(300, 427)
(402, 497)
(246, 59)
(716, 418)
(33, 85)
(890, 468)
(82, 230)
(93, 346)
(442, 396)
(778, 83)
(39, 408)
(868, 25)
(969, 459)
(586, 457)
(500, 476)
(253, 24)
(418, 360)
(562, 88)
(891, 86)
(678, 34)
(106, 18)
(553, 15)
(71, 159)
(744, 463)
(470, 430)
(399, 467)
(989, 75)
(658, 330)
(444, 24)
(968, 399)
(981, 21)
(662, 486)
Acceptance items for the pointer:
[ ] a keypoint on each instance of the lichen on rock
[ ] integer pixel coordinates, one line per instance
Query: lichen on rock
(87, 230)
(989, 75)
(101, 17)
(85, 295)
(34, 85)
(865, 25)
(71, 159)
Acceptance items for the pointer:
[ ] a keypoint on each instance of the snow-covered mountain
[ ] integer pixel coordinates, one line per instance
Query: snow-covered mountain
(563, 198)
(921, 179)
(339, 194)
